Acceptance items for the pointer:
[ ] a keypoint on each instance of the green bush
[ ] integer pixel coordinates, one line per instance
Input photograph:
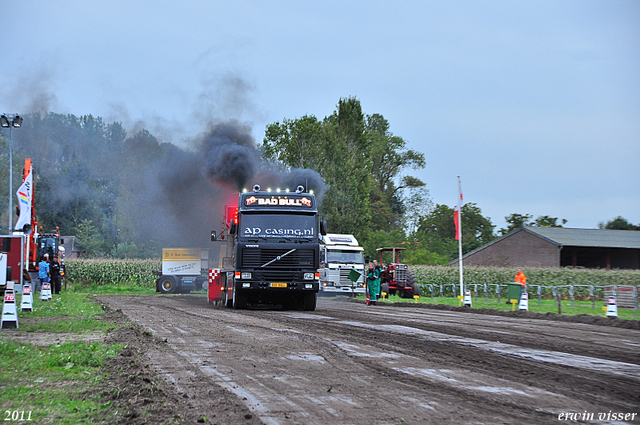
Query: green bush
(103, 272)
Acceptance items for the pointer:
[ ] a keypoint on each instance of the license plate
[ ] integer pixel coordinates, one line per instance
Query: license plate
(278, 285)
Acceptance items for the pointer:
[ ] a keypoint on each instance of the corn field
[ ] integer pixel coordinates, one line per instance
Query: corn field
(580, 279)
(102, 272)
(139, 273)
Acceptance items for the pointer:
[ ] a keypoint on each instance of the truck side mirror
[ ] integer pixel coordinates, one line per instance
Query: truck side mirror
(323, 227)
(213, 235)
(232, 227)
(6, 245)
(366, 259)
(61, 241)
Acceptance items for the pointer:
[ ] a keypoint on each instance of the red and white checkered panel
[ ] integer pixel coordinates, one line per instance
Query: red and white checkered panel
(213, 274)
(215, 285)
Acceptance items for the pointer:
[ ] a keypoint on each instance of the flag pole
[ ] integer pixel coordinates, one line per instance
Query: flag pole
(460, 238)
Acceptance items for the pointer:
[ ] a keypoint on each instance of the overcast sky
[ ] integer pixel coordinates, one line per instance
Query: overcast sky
(535, 104)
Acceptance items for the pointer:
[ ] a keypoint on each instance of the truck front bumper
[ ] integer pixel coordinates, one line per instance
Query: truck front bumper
(278, 286)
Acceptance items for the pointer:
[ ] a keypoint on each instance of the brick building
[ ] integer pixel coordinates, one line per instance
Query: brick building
(560, 247)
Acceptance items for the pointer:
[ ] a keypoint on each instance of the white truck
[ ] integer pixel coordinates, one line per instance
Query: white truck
(339, 256)
(183, 270)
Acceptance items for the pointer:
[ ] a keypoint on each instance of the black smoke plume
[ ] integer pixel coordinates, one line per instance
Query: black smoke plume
(231, 155)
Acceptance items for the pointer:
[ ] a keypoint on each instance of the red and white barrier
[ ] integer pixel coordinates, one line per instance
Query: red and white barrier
(466, 302)
(27, 298)
(9, 311)
(612, 307)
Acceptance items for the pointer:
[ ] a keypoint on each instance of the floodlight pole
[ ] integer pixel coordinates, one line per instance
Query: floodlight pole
(9, 121)
(10, 181)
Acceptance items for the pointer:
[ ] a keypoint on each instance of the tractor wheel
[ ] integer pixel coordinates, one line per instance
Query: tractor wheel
(167, 285)
(411, 278)
(416, 289)
(385, 288)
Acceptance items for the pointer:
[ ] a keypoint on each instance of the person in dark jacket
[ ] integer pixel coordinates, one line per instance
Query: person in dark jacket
(56, 276)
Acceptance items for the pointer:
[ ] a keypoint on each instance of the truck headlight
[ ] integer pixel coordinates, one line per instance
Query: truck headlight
(309, 276)
(245, 275)
(308, 286)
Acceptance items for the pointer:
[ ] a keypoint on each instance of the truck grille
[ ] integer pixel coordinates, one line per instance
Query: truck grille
(276, 276)
(344, 278)
(298, 259)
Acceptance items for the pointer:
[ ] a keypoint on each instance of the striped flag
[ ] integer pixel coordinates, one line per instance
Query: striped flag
(24, 194)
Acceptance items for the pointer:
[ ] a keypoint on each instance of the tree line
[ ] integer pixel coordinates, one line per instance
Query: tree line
(127, 195)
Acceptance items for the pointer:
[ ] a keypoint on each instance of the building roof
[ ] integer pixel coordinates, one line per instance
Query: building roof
(594, 238)
(563, 236)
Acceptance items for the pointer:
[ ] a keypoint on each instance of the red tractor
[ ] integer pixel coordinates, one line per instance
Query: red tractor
(397, 277)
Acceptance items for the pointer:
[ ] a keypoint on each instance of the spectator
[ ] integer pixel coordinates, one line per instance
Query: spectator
(56, 277)
(44, 273)
(522, 280)
(373, 284)
(379, 268)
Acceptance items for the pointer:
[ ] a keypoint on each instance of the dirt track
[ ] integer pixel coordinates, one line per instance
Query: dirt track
(347, 363)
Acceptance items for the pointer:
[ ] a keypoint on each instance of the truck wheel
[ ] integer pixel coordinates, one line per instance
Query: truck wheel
(239, 299)
(416, 289)
(167, 285)
(309, 301)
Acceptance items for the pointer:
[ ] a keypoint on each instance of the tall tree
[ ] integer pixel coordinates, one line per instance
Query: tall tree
(547, 221)
(359, 159)
(437, 230)
(516, 221)
(389, 158)
(298, 143)
(618, 223)
(346, 169)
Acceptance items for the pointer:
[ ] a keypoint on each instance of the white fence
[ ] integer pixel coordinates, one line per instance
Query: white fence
(626, 296)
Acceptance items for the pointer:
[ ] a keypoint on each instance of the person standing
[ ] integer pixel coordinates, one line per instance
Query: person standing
(373, 283)
(376, 265)
(522, 280)
(44, 273)
(56, 277)
(379, 269)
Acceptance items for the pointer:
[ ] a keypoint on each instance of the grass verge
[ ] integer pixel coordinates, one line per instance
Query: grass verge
(546, 306)
(46, 382)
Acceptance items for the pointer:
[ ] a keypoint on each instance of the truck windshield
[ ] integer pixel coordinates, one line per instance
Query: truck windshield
(340, 256)
(278, 226)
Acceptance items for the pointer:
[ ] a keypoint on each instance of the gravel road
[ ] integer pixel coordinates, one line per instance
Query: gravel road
(348, 363)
